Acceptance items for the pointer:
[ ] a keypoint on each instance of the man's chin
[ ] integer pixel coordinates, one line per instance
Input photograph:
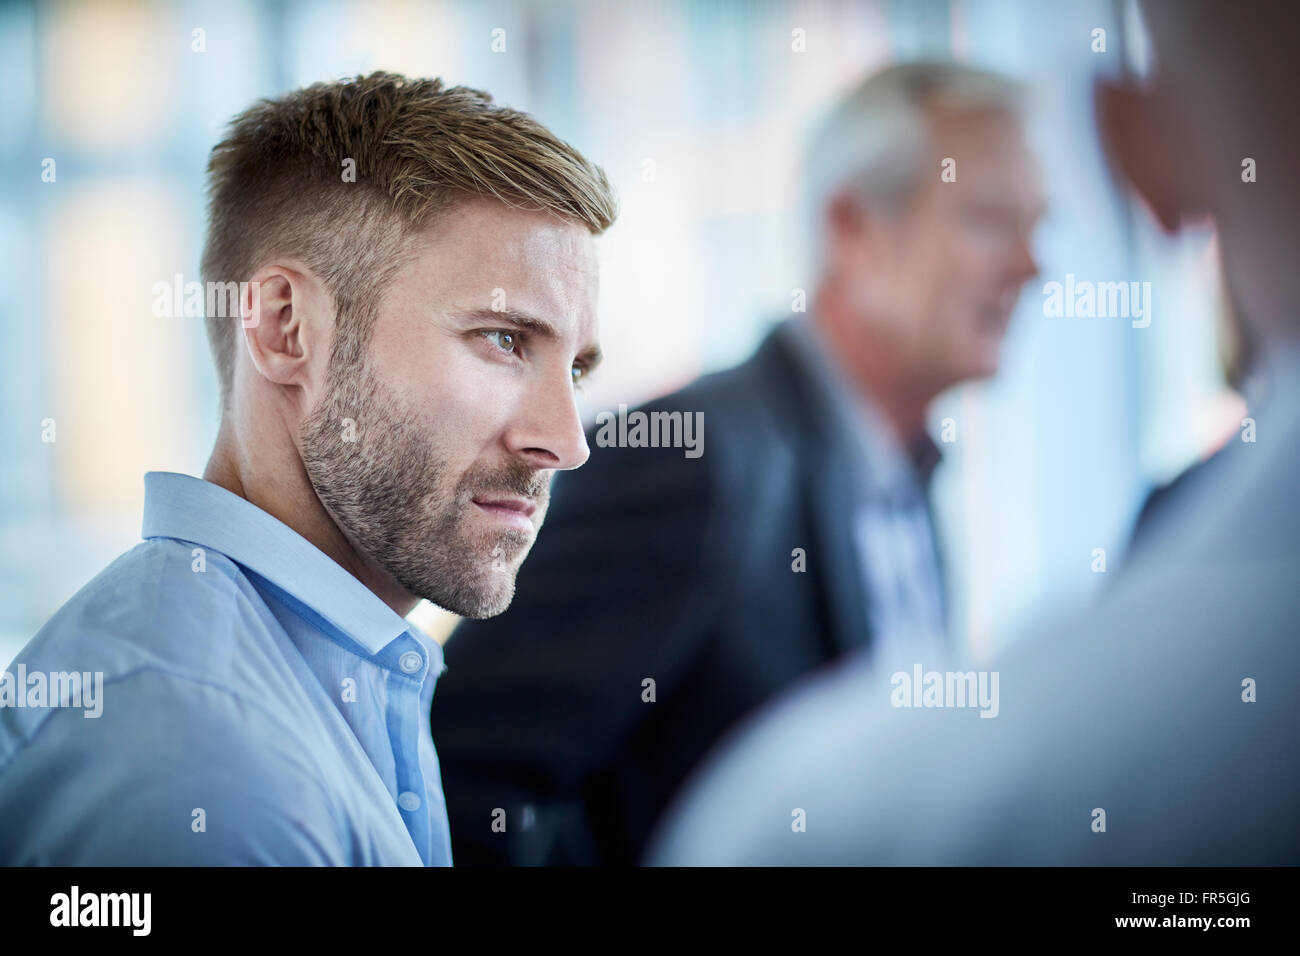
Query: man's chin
(468, 576)
(489, 607)
(486, 596)
(983, 360)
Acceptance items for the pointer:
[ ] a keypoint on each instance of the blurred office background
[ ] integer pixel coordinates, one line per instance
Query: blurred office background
(698, 112)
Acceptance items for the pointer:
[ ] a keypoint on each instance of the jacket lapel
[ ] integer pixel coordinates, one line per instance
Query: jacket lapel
(826, 486)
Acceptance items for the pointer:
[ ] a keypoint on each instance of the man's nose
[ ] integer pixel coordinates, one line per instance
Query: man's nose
(548, 431)
(1025, 265)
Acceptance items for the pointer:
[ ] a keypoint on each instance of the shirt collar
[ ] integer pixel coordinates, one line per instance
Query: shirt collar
(888, 466)
(191, 509)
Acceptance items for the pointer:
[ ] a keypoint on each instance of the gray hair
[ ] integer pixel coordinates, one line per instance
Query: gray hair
(874, 141)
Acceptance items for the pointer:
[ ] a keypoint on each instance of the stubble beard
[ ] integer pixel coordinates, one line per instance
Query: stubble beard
(386, 488)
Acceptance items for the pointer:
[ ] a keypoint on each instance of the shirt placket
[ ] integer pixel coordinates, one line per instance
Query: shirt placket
(406, 681)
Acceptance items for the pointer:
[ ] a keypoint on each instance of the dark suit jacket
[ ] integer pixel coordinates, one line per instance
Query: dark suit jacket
(651, 565)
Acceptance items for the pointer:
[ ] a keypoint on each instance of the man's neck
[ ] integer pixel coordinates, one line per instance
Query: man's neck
(873, 373)
(278, 484)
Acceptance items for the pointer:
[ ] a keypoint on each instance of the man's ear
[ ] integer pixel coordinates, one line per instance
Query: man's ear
(1146, 150)
(286, 330)
(849, 226)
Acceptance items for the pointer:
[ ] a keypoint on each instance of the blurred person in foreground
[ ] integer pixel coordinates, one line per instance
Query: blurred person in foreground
(675, 591)
(1158, 727)
(388, 433)
(1242, 372)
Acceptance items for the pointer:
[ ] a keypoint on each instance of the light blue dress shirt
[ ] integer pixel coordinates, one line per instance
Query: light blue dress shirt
(258, 705)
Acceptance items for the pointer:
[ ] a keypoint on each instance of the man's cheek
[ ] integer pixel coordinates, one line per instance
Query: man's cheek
(465, 414)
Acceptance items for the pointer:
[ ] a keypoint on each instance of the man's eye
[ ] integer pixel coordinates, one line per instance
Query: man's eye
(506, 341)
(578, 372)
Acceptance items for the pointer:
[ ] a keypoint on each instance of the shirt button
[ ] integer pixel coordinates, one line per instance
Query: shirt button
(408, 800)
(410, 662)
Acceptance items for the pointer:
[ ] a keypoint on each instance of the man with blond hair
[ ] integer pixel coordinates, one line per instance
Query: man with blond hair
(420, 285)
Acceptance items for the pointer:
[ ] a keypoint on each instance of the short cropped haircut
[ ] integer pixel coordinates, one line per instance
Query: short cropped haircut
(277, 187)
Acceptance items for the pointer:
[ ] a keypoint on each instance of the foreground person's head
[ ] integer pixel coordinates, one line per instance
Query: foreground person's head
(1213, 132)
(421, 305)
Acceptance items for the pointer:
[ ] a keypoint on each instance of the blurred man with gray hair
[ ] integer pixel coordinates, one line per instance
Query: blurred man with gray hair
(674, 594)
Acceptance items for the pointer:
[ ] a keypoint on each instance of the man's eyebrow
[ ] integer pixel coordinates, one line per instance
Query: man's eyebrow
(522, 320)
(589, 357)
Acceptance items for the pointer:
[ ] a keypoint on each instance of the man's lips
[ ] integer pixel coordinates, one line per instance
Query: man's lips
(508, 509)
(995, 314)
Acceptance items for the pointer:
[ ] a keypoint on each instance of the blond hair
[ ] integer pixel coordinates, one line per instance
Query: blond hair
(277, 186)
